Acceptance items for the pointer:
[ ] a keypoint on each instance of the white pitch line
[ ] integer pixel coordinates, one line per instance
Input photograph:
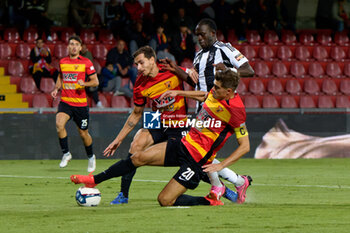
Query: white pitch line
(166, 181)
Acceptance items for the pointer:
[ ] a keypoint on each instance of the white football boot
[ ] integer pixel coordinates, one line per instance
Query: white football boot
(65, 159)
(92, 164)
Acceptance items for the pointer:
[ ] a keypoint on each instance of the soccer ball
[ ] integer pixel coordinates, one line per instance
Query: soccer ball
(88, 196)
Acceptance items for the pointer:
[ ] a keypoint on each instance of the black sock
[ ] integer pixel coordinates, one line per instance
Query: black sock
(126, 181)
(187, 200)
(89, 151)
(120, 168)
(64, 144)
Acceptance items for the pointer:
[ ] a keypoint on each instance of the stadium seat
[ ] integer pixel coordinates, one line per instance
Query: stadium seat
(97, 66)
(307, 101)
(66, 33)
(119, 102)
(270, 101)
(88, 36)
(271, 38)
(266, 53)
(251, 101)
(103, 100)
(342, 101)
(302, 53)
(40, 101)
(61, 51)
(324, 38)
(329, 87)
(231, 37)
(191, 103)
(338, 53)
(344, 86)
(262, 69)
(288, 37)
(316, 70)
(297, 69)
(99, 51)
(106, 37)
(15, 68)
(47, 85)
(23, 51)
(306, 38)
(56, 63)
(333, 69)
(341, 38)
(187, 63)
(253, 37)
(5, 51)
(11, 35)
(30, 35)
(241, 88)
(320, 53)
(27, 85)
(293, 87)
(249, 52)
(274, 86)
(220, 36)
(347, 69)
(256, 86)
(284, 53)
(279, 69)
(325, 101)
(56, 102)
(288, 101)
(311, 86)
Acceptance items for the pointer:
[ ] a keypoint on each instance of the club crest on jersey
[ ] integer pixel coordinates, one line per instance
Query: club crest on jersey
(168, 84)
(219, 109)
(76, 67)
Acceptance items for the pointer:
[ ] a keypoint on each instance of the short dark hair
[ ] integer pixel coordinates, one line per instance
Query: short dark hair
(228, 78)
(209, 22)
(75, 37)
(147, 51)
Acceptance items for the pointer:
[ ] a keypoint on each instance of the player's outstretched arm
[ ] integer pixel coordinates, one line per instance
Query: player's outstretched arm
(243, 148)
(129, 125)
(191, 77)
(196, 95)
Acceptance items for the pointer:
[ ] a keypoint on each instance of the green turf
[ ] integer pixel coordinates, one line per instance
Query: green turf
(286, 196)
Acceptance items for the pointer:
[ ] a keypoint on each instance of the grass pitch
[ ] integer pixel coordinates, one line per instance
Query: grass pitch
(286, 196)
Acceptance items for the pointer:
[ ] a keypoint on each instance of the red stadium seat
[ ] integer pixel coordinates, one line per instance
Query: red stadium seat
(11, 35)
(344, 86)
(288, 37)
(253, 37)
(347, 69)
(61, 51)
(288, 101)
(261, 69)
(47, 85)
(306, 38)
(106, 37)
(337, 53)
(66, 33)
(99, 51)
(270, 101)
(5, 51)
(27, 85)
(271, 38)
(266, 52)
(249, 52)
(302, 53)
(341, 38)
(297, 69)
(320, 53)
(325, 101)
(56, 102)
(220, 36)
(40, 101)
(256, 86)
(231, 37)
(274, 86)
(30, 35)
(316, 70)
(307, 101)
(279, 69)
(311, 86)
(251, 101)
(293, 87)
(342, 101)
(241, 88)
(333, 69)
(23, 51)
(103, 100)
(56, 63)
(15, 68)
(324, 38)
(284, 53)
(329, 87)
(97, 66)
(119, 102)
(88, 36)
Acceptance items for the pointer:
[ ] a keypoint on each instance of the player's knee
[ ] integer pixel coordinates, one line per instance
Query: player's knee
(59, 126)
(164, 201)
(137, 159)
(135, 146)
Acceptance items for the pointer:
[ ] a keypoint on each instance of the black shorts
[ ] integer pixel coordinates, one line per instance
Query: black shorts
(80, 115)
(163, 134)
(190, 173)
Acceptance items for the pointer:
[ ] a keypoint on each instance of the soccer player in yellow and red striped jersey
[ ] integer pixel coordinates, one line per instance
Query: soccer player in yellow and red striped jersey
(72, 81)
(222, 115)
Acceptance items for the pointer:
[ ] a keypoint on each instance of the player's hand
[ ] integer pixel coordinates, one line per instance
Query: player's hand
(81, 83)
(54, 93)
(192, 73)
(110, 150)
(220, 66)
(168, 94)
(168, 64)
(213, 167)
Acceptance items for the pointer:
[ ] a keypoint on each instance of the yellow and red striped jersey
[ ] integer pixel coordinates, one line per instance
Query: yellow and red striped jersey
(152, 88)
(220, 119)
(73, 70)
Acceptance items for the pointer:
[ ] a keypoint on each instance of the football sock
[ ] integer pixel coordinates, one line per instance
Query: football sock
(64, 144)
(126, 181)
(89, 151)
(120, 168)
(187, 200)
(214, 179)
(228, 174)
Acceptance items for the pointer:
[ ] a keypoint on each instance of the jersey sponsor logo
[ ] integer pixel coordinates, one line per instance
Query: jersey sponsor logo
(239, 56)
(70, 77)
(151, 120)
(161, 103)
